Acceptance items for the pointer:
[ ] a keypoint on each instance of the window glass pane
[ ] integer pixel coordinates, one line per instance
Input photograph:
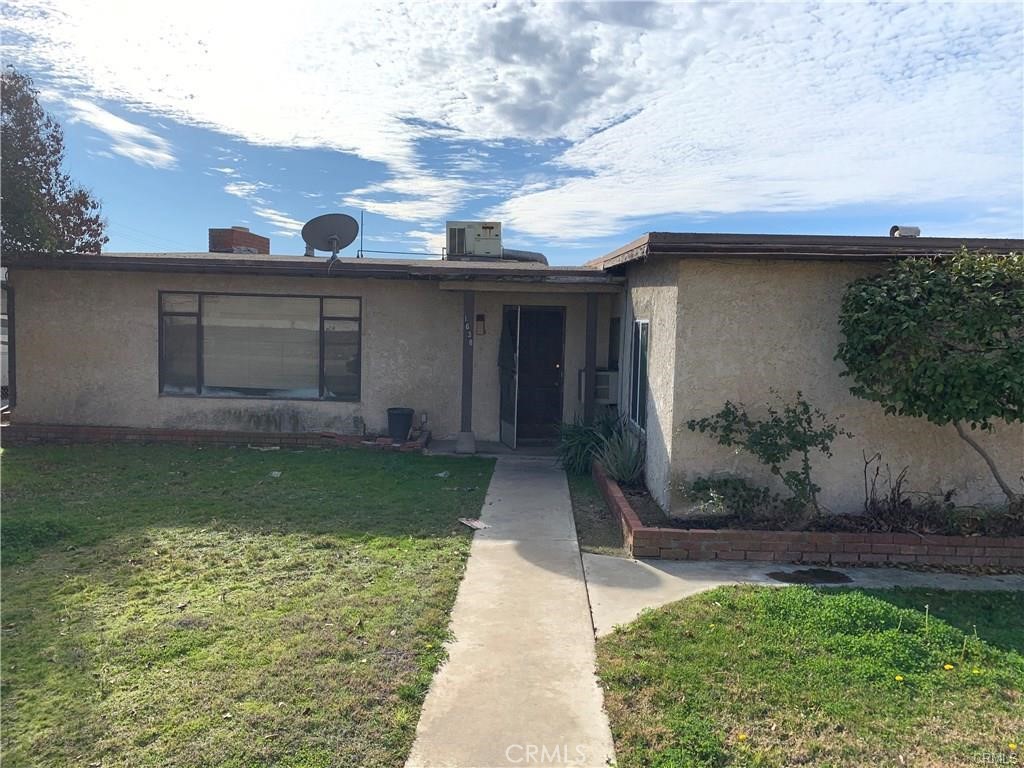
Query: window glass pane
(180, 302)
(261, 346)
(341, 307)
(179, 361)
(642, 383)
(341, 359)
(638, 374)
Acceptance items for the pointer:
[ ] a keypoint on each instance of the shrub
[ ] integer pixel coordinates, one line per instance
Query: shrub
(578, 442)
(729, 496)
(942, 339)
(795, 428)
(622, 455)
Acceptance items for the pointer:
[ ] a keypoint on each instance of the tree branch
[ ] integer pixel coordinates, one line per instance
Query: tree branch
(1010, 494)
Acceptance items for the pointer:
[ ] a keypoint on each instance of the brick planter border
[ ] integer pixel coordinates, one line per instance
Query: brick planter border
(65, 434)
(989, 552)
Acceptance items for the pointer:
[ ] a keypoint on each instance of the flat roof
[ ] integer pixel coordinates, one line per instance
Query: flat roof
(312, 266)
(794, 247)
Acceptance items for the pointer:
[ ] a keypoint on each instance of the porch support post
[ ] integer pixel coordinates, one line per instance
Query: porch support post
(466, 442)
(590, 372)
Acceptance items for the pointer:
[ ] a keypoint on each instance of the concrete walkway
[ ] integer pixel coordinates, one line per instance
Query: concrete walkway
(519, 686)
(620, 589)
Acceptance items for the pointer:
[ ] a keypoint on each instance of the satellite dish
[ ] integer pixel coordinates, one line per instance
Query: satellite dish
(330, 232)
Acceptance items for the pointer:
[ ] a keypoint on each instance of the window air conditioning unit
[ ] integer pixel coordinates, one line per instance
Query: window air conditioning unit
(606, 386)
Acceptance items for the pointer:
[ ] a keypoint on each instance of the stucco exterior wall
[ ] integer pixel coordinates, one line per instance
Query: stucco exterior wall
(88, 353)
(652, 295)
(746, 327)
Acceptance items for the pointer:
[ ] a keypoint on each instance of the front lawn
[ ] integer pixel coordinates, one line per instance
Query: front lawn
(745, 676)
(191, 606)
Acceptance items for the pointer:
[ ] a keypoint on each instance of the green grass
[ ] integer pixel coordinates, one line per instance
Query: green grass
(182, 606)
(596, 527)
(745, 676)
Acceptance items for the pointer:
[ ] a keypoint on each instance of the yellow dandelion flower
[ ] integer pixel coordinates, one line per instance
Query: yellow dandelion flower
(1013, 746)
(899, 678)
(743, 737)
(947, 667)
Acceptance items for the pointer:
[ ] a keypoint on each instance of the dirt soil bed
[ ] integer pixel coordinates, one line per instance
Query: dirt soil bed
(963, 521)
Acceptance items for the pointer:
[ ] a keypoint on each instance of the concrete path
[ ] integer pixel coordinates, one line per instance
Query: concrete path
(620, 589)
(519, 686)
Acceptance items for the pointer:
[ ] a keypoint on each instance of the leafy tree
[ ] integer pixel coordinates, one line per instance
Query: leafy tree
(41, 208)
(795, 428)
(941, 338)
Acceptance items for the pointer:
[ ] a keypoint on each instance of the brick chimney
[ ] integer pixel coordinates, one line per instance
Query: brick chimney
(237, 240)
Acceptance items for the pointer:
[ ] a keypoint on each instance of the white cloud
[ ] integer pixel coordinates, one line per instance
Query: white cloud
(426, 241)
(662, 109)
(419, 197)
(127, 139)
(247, 190)
(285, 224)
(809, 113)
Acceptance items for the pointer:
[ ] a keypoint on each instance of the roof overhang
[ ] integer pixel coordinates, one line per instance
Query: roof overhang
(794, 247)
(293, 266)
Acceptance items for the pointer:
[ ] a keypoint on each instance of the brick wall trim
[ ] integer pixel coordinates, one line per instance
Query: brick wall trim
(989, 552)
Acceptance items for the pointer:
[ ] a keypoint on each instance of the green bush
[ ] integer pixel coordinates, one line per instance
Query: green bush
(730, 496)
(622, 455)
(942, 339)
(794, 428)
(578, 442)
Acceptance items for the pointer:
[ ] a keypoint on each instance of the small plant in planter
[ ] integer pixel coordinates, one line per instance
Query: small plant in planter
(788, 429)
(728, 497)
(579, 442)
(622, 456)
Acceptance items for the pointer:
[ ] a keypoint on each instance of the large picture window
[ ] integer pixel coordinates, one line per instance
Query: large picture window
(228, 345)
(638, 374)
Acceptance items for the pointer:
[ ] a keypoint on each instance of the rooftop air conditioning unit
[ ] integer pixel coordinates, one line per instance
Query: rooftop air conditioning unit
(474, 238)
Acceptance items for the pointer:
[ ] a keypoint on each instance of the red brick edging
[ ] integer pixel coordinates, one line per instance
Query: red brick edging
(1002, 553)
(28, 434)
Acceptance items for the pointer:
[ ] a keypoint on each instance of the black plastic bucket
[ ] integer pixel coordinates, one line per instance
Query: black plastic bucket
(399, 424)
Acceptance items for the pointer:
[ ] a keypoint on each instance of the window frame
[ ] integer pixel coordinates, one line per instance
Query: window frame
(635, 338)
(198, 315)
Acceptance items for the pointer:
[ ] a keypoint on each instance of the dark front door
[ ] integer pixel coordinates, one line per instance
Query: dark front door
(540, 373)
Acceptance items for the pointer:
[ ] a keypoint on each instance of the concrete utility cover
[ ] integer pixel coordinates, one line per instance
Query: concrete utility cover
(810, 576)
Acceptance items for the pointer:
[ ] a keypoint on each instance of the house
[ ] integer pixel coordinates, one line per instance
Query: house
(731, 317)
(666, 328)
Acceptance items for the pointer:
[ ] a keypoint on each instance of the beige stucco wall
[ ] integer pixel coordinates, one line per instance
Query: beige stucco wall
(653, 296)
(87, 345)
(745, 327)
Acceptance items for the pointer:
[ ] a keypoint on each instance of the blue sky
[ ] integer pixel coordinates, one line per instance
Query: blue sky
(579, 125)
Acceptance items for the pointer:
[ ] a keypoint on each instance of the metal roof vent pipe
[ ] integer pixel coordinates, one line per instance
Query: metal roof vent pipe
(897, 231)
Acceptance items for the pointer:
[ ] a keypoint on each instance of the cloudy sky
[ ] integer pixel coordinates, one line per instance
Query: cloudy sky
(579, 125)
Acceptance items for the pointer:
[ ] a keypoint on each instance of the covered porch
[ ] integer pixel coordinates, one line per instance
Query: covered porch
(534, 355)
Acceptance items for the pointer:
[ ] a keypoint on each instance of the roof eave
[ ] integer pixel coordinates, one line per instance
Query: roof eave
(794, 247)
(294, 268)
